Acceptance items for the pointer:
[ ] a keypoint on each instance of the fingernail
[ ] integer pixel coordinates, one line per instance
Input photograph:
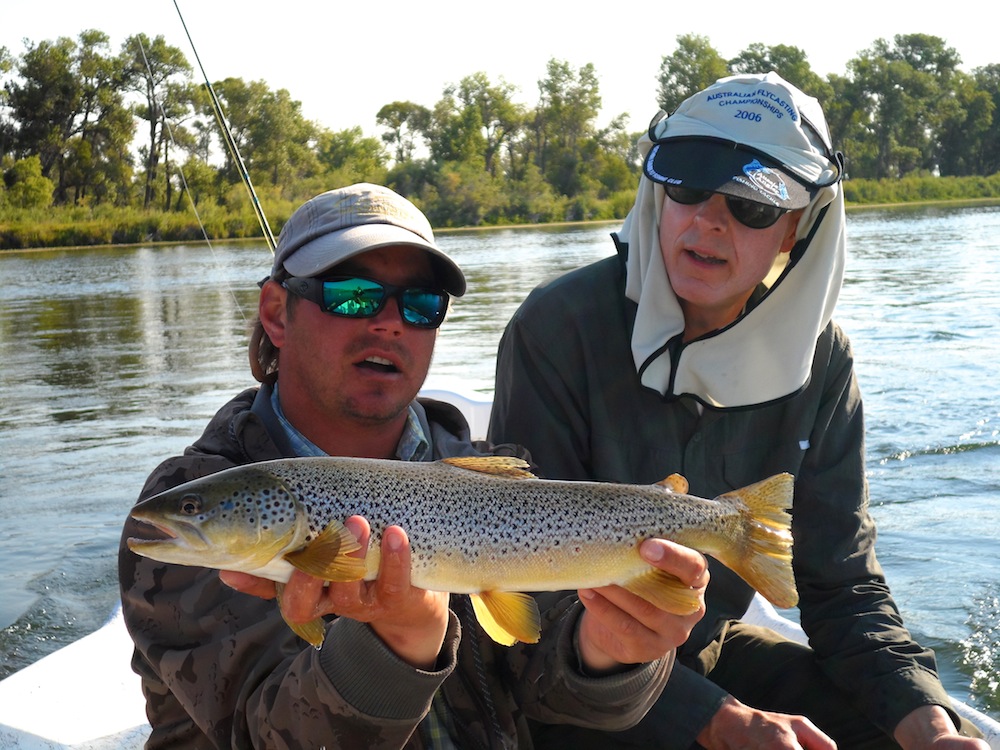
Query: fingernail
(394, 541)
(586, 594)
(651, 551)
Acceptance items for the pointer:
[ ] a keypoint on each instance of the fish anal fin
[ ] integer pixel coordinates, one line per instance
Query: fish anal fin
(664, 591)
(328, 556)
(313, 632)
(675, 483)
(508, 617)
(500, 466)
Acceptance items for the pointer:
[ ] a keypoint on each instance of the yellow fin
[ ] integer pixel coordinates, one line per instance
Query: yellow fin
(501, 466)
(764, 560)
(327, 556)
(665, 591)
(312, 632)
(675, 483)
(508, 617)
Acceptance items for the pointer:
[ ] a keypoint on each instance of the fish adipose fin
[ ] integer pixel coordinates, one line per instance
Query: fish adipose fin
(665, 591)
(500, 466)
(328, 555)
(312, 632)
(675, 483)
(508, 617)
(764, 559)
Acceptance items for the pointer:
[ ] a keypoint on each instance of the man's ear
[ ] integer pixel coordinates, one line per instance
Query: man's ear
(273, 311)
(788, 242)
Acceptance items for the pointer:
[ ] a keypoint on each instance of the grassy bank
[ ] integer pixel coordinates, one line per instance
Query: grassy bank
(84, 227)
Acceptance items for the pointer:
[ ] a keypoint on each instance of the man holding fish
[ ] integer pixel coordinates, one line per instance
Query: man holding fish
(706, 347)
(346, 330)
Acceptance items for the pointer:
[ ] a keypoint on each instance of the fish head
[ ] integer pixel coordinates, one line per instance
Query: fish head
(238, 519)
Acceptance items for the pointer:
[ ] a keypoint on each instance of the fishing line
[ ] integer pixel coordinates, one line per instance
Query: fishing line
(230, 141)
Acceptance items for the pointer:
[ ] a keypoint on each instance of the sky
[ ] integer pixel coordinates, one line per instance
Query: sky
(345, 60)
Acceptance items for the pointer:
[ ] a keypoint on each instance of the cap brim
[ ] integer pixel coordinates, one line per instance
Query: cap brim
(333, 248)
(725, 167)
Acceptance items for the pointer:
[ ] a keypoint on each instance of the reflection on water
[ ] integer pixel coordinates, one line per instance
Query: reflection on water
(113, 359)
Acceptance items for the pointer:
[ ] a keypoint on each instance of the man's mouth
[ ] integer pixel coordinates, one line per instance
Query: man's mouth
(380, 364)
(706, 258)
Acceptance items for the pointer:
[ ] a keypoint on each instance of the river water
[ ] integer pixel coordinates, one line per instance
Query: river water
(113, 359)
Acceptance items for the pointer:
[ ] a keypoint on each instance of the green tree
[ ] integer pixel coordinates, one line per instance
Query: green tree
(97, 158)
(282, 140)
(965, 115)
(348, 156)
(276, 142)
(788, 62)
(988, 81)
(404, 123)
(25, 186)
(152, 66)
(44, 102)
(901, 88)
(455, 133)
(565, 116)
(694, 65)
(499, 117)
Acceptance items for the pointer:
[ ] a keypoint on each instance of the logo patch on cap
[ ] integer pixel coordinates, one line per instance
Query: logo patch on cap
(764, 180)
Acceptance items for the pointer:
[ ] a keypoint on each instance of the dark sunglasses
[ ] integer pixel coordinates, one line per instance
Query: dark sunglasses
(357, 297)
(748, 213)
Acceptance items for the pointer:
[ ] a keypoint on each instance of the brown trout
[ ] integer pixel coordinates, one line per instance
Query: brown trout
(482, 526)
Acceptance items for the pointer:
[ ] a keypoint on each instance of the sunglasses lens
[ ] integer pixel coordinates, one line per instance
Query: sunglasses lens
(354, 298)
(686, 196)
(364, 298)
(748, 213)
(424, 308)
(752, 214)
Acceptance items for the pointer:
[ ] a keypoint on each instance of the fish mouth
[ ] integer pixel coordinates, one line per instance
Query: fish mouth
(176, 534)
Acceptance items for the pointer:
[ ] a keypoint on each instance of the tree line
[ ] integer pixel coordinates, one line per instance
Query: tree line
(94, 130)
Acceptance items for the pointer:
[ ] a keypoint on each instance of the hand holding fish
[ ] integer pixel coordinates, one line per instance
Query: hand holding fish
(410, 621)
(620, 627)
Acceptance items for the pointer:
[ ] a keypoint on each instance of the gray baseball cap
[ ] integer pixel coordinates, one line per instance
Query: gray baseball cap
(339, 224)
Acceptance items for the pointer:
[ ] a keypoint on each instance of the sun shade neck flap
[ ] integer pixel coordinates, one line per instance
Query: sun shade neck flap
(767, 354)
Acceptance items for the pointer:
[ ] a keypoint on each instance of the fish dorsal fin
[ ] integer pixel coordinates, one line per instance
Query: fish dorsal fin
(328, 555)
(675, 483)
(499, 466)
(312, 632)
(664, 591)
(508, 617)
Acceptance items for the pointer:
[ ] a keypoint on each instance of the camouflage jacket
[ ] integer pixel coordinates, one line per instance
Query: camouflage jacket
(221, 669)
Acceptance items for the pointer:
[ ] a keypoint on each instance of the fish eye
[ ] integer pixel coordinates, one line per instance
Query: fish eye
(190, 505)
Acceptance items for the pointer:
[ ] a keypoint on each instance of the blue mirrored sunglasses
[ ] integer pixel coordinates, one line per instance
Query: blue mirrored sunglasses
(358, 297)
(748, 213)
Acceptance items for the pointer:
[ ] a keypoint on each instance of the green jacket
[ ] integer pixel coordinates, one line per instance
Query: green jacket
(567, 389)
(221, 669)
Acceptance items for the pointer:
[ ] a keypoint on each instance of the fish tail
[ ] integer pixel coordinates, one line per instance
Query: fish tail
(764, 558)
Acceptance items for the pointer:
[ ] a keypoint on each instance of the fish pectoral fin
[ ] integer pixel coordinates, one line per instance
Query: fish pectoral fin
(499, 466)
(328, 555)
(312, 632)
(664, 591)
(508, 617)
(675, 483)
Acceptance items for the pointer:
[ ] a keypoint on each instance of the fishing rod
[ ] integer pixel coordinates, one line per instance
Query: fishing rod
(230, 141)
